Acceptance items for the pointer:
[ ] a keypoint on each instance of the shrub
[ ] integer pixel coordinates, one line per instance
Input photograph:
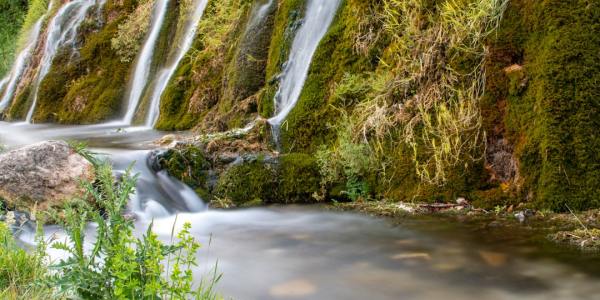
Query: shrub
(348, 162)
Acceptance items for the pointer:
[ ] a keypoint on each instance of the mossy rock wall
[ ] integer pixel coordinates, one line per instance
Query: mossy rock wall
(87, 85)
(545, 66)
(307, 125)
(292, 178)
(200, 92)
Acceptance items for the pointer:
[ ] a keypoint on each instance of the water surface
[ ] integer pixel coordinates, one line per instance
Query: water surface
(308, 253)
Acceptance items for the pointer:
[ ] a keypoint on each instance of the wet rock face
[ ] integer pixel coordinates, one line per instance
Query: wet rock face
(46, 174)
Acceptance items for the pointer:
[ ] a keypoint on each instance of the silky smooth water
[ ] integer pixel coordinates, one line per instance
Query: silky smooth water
(21, 63)
(141, 74)
(62, 32)
(318, 17)
(307, 253)
(260, 13)
(164, 76)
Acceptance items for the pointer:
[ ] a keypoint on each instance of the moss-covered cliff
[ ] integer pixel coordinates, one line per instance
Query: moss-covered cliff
(223, 68)
(496, 101)
(545, 66)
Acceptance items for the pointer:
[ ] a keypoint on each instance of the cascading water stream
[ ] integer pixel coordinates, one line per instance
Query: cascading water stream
(260, 13)
(21, 63)
(62, 31)
(4, 82)
(144, 61)
(164, 76)
(319, 16)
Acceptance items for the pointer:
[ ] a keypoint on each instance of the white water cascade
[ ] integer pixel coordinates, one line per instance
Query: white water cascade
(260, 13)
(3, 82)
(319, 16)
(62, 31)
(12, 79)
(144, 61)
(164, 76)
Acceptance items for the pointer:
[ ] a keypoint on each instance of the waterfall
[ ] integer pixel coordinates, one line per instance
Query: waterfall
(3, 82)
(260, 13)
(165, 75)
(12, 79)
(319, 16)
(144, 61)
(62, 31)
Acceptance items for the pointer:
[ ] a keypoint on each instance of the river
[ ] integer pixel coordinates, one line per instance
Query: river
(298, 252)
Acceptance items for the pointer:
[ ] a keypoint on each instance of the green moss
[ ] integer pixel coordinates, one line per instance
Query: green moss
(187, 164)
(197, 86)
(247, 71)
(162, 52)
(87, 86)
(19, 105)
(287, 21)
(307, 125)
(89, 89)
(253, 181)
(294, 179)
(299, 178)
(552, 103)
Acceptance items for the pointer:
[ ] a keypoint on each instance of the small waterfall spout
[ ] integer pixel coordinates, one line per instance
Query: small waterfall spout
(62, 31)
(164, 76)
(260, 13)
(11, 81)
(144, 61)
(318, 18)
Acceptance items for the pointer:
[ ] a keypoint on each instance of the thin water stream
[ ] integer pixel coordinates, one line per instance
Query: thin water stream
(164, 76)
(318, 17)
(22, 61)
(62, 32)
(307, 253)
(144, 61)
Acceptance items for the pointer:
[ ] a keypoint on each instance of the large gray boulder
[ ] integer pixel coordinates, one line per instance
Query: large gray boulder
(44, 174)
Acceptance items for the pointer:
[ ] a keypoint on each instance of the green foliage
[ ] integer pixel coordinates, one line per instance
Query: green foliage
(436, 56)
(348, 162)
(20, 271)
(120, 265)
(35, 10)
(12, 14)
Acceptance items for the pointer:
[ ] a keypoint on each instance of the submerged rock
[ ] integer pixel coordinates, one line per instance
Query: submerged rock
(43, 175)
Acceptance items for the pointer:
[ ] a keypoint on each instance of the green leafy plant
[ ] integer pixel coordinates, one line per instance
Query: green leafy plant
(120, 265)
(347, 162)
